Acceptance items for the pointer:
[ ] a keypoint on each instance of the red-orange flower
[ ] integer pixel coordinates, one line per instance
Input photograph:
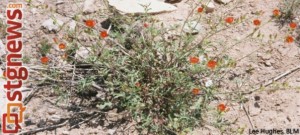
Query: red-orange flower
(289, 39)
(222, 107)
(45, 60)
(194, 60)
(229, 20)
(196, 91)
(200, 10)
(276, 12)
(61, 46)
(256, 22)
(90, 23)
(293, 25)
(211, 64)
(103, 34)
(146, 25)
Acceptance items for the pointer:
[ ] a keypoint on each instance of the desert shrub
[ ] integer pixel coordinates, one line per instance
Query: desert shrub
(164, 84)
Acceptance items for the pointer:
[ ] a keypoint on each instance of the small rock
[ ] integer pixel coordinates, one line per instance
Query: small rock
(298, 80)
(208, 83)
(111, 131)
(139, 6)
(266, 57)
(59, 2)
(82, 53)
(72, 25)
(52, 25)
(89, 6)
(223, 1)
(51, 111)
(268, 63)
(65, 133)
(209, 7)
(193, 27)
(54, 119)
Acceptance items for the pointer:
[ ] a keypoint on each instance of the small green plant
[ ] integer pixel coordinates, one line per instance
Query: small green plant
(290, 9)
(45, 47)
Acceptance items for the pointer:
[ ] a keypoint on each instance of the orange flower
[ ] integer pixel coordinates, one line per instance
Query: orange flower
(276, 12)
(229, 20)
(289, 39)
(211, 64)
(103, 34)
(90, 23)
(61, 46)
(196, 91)
(146, 25)
(221, 107)
(256, 22)
(137, 84)
(293, 25)
(194, 60)
(200, 10)
(45, 60)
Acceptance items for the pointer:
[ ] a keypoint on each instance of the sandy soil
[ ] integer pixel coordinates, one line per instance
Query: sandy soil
(277, 106)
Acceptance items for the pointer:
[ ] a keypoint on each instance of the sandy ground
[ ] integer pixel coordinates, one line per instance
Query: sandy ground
(275, 107)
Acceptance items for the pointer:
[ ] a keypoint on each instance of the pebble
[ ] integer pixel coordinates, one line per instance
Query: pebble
(52, 25)
(223, 1)
(209, 7)
(266, 57)
(54, 119)
(193, 27)
(51, 111)
(268, 63)
(298, 80)
(111, 131)
(89, 6)
(82, 53)
(59, 2)
(72, 25)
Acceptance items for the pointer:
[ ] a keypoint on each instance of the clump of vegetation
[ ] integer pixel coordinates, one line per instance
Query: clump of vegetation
(290, 9)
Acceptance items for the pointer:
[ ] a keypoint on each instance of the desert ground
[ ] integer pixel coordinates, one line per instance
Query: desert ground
(261, 91)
